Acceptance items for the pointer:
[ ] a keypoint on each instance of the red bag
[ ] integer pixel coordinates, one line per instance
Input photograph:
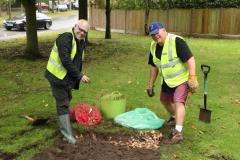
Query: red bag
(85, 115)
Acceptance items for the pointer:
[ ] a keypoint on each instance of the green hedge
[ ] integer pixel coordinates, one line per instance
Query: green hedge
(200, 4)
(167, 4)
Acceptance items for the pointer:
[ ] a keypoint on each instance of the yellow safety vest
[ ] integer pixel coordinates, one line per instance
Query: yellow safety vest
(54, 64)
(172, 69)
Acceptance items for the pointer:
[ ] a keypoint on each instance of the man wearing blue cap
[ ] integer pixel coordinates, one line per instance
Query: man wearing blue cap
(171, 57)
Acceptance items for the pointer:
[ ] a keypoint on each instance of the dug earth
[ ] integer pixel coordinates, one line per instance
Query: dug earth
(143, 145)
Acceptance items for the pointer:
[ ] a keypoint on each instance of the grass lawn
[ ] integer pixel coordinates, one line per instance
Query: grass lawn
(120, 64)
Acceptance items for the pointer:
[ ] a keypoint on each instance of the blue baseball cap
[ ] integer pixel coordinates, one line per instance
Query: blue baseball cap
(154, 27)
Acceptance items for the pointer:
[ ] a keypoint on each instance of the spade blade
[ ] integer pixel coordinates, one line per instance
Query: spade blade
(205, 115)
(40, 121)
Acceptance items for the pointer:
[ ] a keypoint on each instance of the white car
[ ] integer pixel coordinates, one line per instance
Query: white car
(75, 5)
(62, 7)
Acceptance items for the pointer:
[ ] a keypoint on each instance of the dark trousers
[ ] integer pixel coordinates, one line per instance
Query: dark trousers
(63, 97)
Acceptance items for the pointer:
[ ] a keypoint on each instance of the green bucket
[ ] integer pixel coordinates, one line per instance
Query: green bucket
(112, 104)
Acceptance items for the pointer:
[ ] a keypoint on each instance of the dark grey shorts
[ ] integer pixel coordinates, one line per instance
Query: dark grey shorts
(62, 96)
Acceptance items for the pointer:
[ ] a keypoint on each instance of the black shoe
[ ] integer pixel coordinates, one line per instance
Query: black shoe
(171, 122)
(174, 137)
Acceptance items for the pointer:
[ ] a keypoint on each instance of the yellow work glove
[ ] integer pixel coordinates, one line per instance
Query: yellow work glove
(192, 83)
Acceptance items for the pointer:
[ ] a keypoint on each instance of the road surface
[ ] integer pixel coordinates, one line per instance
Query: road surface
(59, 23)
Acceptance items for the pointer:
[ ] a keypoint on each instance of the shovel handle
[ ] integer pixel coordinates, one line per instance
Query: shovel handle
(205, 69)
(29, 118)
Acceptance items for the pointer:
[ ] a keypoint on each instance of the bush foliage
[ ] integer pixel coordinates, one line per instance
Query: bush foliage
(168, 4)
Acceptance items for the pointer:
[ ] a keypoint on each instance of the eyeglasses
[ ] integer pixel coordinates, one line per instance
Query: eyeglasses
(82, 30)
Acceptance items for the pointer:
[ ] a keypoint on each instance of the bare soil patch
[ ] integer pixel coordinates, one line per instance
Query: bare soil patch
(94, 146)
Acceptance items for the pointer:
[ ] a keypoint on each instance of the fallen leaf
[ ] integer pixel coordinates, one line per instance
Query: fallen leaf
(223, 127)
(237, 101)
(194, 127)
(211, 145)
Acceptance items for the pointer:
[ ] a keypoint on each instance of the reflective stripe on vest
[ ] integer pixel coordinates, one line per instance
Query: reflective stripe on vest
(55, 66)
(172, 69)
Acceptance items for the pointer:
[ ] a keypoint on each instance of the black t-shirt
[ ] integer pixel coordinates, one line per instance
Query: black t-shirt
(183, 52)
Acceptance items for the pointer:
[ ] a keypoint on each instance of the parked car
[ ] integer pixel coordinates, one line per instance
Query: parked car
(42, 6)
(62, 7)
(19, 22)
(75, 5)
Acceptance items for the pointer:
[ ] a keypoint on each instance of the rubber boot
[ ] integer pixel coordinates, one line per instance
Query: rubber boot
(65, 128)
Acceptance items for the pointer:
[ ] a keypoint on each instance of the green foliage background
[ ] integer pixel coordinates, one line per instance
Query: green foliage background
(168, 4)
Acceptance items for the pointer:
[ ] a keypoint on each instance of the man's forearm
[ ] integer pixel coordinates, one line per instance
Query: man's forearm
(153, 76)
(191, 66)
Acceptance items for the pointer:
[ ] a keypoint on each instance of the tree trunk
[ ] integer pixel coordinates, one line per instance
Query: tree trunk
(146, 17)
(57, 5)
(40, 6)
(32, 49)
(53, 3)
(9, 10)
(22, 8)
(83, 12)
(108, 20)
(70, 5)
(83, 9)
(0, 9)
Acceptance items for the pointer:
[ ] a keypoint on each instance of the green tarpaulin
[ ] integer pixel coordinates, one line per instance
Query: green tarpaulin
(139, 118)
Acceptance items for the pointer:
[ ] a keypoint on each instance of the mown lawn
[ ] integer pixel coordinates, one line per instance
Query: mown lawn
(120, 64)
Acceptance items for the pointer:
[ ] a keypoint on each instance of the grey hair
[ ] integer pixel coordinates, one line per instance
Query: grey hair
(84, 23)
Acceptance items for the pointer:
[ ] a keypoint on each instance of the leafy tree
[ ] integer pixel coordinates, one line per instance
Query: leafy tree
(32, 49)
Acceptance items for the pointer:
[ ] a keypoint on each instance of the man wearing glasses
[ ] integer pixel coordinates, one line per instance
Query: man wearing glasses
(64, 72)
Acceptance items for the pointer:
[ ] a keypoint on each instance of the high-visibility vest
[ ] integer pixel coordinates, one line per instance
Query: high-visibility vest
(54, 64)
(173, 70)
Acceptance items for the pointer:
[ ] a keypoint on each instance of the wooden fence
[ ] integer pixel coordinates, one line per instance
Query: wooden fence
(200, 22)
